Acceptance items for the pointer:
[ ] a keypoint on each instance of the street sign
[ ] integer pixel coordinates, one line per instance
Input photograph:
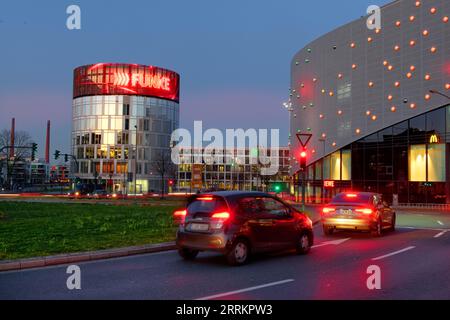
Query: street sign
(304, 138)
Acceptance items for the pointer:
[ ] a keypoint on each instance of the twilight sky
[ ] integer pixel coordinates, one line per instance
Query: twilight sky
(233, 56)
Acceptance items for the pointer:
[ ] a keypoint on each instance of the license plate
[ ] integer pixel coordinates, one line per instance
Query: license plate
(198, 227)
(346, 211)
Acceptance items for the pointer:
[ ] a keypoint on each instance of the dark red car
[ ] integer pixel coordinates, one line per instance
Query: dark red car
(240, 223)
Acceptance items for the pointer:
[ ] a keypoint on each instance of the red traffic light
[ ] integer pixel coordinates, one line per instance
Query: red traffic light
(170, 182)
(303, 154)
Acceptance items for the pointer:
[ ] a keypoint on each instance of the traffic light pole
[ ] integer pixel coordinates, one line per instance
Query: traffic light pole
(303, 190)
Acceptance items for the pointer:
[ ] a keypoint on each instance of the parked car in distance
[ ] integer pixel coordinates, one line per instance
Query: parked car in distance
(238, 223)
(359, 211)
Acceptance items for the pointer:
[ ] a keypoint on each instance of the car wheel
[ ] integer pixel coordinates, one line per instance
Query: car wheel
(238, 254)
(187, 254)
(394, 218)
(304, 244)
(377, 232)
(327, 230)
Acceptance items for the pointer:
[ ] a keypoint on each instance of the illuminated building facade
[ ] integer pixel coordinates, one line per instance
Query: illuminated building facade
(231, 175)
(364, 95)
(119, 111)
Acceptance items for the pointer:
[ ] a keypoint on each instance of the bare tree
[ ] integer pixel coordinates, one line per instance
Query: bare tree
(21, 139)
(163, 165)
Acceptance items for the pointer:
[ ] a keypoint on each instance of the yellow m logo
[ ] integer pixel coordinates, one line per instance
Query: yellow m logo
(434, 139)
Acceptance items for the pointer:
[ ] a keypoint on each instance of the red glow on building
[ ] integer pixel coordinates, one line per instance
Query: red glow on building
(126, 79)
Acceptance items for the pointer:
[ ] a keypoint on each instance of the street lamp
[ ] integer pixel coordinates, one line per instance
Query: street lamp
(440, 93)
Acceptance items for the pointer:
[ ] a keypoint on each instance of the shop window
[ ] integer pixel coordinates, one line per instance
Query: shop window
(436, 163)
(448, 120)
(346, 164)
(335, 166)
(417, 162)
(417, 130)
(318, 170)
(326, 168)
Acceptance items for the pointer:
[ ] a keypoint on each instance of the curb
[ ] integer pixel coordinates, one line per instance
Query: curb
(37, 262)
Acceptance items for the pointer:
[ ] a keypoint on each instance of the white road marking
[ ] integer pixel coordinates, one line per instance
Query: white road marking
(440, 234)
(334, 242)
(220, 295)
(414, 228)
(440, 223)
(392, 253)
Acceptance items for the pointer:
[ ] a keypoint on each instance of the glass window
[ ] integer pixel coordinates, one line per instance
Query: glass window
(311, 172)
(448, 119)
(335, 171)
(417, 130)
(436, 121)
(436, 163)
(346, 164)
(318, 170)
(326, 168)
(417, 163)
(275, 207)
(250, 206)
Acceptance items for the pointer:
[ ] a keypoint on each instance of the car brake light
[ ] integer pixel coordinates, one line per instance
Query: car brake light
(221, 215)
(351, 195)
(365, 210)
(180, 213)
(328, 210)
(205, 199)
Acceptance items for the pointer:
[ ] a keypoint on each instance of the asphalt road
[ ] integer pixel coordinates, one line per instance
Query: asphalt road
(414, 263)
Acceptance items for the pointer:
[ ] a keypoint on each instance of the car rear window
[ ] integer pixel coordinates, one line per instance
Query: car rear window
(206, 206)
(352, 198)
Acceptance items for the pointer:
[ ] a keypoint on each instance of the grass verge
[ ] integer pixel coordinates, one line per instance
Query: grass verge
(41, 229)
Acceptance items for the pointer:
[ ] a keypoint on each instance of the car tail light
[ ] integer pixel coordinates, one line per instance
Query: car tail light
(221, 215)
(218, 220)
(327, 210)
(179, 216)
(205, 199)
(351, 195)
(364, 211)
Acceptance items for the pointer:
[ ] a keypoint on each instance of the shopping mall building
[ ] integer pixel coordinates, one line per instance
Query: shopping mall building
(120, 110)
(376, 101)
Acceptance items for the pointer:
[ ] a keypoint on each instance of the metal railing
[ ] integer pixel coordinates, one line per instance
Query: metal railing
(432, 206)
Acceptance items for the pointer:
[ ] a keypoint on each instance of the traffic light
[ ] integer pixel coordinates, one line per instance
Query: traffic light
(170, 182)
(33, 151)
(277, 188)
(66, 157)
(57, 154)
(303, 156)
